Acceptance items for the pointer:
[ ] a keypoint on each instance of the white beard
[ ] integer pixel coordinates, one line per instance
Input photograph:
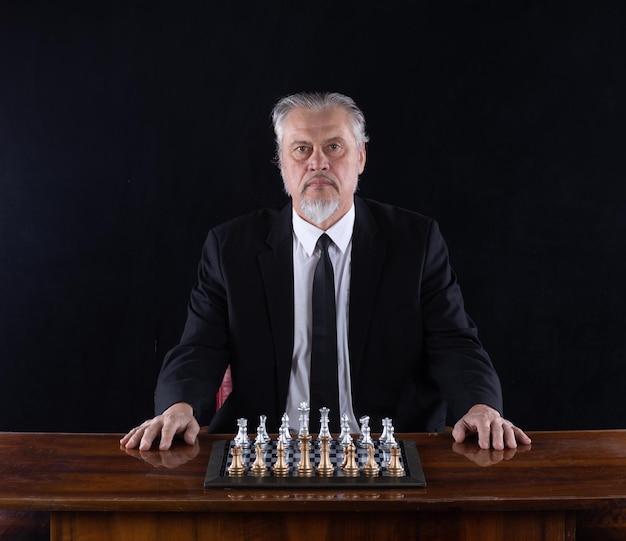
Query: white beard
(319, 210)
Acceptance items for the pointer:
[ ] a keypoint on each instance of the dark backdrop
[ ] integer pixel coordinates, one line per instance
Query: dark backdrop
(127, 130)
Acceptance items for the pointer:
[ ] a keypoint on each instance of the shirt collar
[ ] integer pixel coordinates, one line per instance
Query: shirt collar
(308, 234)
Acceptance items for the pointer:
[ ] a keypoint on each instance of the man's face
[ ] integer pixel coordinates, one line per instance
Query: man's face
(320, 164)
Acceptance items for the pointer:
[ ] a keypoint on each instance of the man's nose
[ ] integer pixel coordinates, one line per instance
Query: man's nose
(318, 161)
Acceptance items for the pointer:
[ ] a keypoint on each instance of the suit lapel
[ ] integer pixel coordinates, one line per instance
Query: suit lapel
(276, 267)
(368, 255)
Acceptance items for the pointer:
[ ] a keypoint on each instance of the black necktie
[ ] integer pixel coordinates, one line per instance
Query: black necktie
(324, 381)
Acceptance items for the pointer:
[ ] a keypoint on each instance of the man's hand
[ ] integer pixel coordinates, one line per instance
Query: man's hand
(492, 429)
(177, 419)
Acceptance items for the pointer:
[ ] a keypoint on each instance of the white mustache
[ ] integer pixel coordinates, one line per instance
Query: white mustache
(318, 176)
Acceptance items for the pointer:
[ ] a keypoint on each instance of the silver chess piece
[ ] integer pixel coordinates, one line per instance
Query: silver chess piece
(365, 438)
(284, 423)
(391, 440)
(383, 434)
(241, 438)
(283, 436)
(345, 438)
(304, 418)
(262, 437)
(324, 431)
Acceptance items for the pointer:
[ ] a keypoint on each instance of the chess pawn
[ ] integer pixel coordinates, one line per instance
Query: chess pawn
(371, 468)
(284, 424)
(349, 465)
(395, 468)
(391, 440)
(345, 438)
(259, 468)
(325, 467)
(280, 468)
(384, 433)
(262, 436)
(283, 436)
(236, 467)
(366, 437)
(259, 440)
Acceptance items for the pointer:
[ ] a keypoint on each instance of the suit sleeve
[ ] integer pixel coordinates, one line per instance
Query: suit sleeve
(457, 359)
(192, 371)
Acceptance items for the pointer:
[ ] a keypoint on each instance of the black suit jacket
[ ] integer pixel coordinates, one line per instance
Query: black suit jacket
(414, 352)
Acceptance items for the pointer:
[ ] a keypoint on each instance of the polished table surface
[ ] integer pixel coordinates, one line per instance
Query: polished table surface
(568, 471)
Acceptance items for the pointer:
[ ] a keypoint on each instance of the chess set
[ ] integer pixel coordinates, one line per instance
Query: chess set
(314, 461)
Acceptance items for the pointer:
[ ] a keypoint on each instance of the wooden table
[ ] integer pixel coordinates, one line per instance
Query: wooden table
(567, 485)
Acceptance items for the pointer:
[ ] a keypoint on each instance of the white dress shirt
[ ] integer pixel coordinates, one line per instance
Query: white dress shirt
(305, 258)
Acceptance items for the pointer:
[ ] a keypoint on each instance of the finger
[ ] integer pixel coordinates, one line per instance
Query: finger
(150, 433)
(459, 432)
(486, 436)
(509, 436)
(168, 431)
(521, 436)
(192, 432)
(132, 439)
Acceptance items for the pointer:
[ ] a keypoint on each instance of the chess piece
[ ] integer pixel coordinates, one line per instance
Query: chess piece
(364, 438)
(345, 438)
(258, 467)
(242, 433)
(236, 467)
(325, 468)
(383, 434)
(262, 436)
(395, 468)
(371, 468)
(280, 468)
(324, 432)
(391, 440)
(284, 423)
(304, 418)
(304, 467)
(349, 465)
(283, 436)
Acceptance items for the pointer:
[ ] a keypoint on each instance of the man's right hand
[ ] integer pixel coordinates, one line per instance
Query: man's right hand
(178, 419)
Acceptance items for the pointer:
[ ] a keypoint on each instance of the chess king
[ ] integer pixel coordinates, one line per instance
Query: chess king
(404, 346)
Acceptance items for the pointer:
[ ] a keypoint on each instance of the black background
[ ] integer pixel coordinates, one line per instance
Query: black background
(128, 129)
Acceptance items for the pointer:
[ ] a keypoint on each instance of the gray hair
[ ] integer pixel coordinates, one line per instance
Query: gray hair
(317, 101)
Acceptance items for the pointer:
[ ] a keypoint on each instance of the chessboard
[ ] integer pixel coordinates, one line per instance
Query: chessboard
(406, 469)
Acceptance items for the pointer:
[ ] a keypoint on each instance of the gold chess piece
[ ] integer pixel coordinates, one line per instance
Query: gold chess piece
(280, 468)
(371, 468)
(259, 467)
(395, 468)
(325, 468)
(349, 465)
(304, 467)
(236, 467)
